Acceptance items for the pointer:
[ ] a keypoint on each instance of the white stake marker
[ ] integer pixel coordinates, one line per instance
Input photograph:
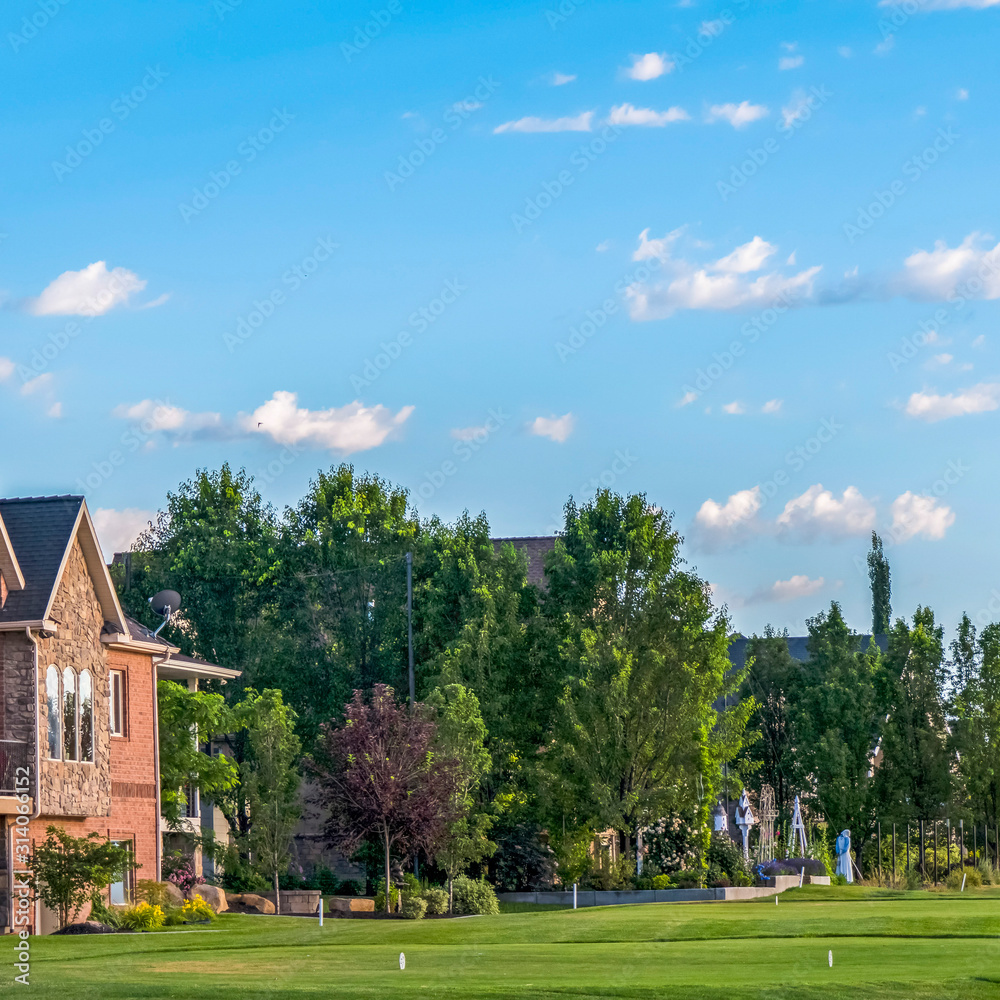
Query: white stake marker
(830, 957)
(402, 960)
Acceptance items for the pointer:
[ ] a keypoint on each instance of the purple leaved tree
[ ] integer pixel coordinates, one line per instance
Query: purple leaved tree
(378, 774)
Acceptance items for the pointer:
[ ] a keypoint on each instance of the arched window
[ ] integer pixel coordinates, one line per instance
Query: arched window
(54, 712)
(86, 716)
(71, 749)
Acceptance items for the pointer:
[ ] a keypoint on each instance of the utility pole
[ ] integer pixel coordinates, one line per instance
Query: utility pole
(409, 627)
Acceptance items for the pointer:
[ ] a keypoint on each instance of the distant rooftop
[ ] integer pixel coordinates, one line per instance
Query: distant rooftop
(535, 547)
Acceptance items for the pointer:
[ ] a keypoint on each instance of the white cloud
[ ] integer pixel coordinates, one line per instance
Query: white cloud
(914, 515)
(940, 360)
(885, 46)
(603, 246)
(34, 384)
(649, 66)
(734, 408)
(772, 406)
(561, 79)
(578, 123)
(118, 529)
(712, 28)
(154, 416)
(798, 106)
(746, 258)
(470, 433)
(721, 285)
(91, 292)
(970, 270)
(689, 397)
(978, 342)
(797, 586)
(844, 51)
(626, 114)
(734, 521)
(346, 429)
(555, 428)
(738, 115)
(818, 513)
(932, 407)
(962, 94)
(6, 368)
(791, 62)
(54, 411)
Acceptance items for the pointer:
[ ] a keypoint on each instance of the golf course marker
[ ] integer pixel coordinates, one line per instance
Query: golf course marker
(402, 961)
(829, 956)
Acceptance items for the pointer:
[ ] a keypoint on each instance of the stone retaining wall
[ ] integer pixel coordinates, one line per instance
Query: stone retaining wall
(597, 898)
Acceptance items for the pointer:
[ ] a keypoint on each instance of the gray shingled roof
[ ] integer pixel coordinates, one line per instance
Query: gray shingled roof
(40, 529)
(797, 647)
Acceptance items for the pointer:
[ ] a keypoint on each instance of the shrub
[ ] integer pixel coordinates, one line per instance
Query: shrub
(174, 917)
(913, 880)
(688, 879)
(240, 876)
(179, 869)
(380, 897)
(727, 859)
(973, 880)
(472, 896)
(794, 866)
(661, 881)
(197, 909)
(143, 917)
(989, 874)
(838, 880)
(349, 888)
(103, 913)
(414, 907)
(154, 893)
(436, 900)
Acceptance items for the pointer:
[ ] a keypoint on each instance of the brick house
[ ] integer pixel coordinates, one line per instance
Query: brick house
(78, 717)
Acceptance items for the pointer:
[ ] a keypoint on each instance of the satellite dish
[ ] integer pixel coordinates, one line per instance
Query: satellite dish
(165, 603)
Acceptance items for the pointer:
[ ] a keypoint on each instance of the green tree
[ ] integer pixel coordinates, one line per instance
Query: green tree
(65, 871)
(270, 780)
(461, 736)
(878, 575)
(837, 722)
(187, 720)
(774, 681)
(914, 777)
(637, 735)
(214, 543)
(343, 592)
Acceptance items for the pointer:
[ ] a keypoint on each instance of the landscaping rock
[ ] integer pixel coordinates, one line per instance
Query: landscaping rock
(213, 895)
(249, 902)
(88, 927)
(174, 895)
(350, 904)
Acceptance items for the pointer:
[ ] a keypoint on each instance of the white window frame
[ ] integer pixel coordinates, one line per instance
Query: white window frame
(117, 700)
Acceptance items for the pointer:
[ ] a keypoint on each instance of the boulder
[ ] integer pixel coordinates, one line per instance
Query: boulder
(87, 927)
(174, 896)
(250, 902)
(350, 904)
(213, 895)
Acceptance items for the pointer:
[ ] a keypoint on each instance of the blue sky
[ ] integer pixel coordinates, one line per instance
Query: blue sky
(738, 256)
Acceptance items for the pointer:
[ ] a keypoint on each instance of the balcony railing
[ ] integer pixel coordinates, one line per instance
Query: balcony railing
(14, 755)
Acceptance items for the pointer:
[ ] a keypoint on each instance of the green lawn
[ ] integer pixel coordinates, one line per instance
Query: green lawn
(885, 946)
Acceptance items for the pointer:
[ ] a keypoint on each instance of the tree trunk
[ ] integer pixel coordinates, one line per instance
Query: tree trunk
(277, 893)
(451, 895)
(388, 884)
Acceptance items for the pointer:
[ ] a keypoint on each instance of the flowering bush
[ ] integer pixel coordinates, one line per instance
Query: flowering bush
(196, 909)
(179, 869)
(143, 917)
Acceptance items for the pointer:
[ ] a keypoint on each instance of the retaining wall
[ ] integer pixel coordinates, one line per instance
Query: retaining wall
(597, 898)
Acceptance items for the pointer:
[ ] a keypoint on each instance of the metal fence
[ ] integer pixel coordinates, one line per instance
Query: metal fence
(13, 755)
(932, 847)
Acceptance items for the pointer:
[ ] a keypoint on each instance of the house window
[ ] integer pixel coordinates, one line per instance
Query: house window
(54, 712)
(117, 703)
(121, 891)
(86, 716)
(71, 745)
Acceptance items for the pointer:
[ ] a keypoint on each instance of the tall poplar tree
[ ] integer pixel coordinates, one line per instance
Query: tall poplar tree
(878, 574)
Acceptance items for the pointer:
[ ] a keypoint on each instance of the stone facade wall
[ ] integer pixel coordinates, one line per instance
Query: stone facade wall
(75, 788)
(17, 666)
